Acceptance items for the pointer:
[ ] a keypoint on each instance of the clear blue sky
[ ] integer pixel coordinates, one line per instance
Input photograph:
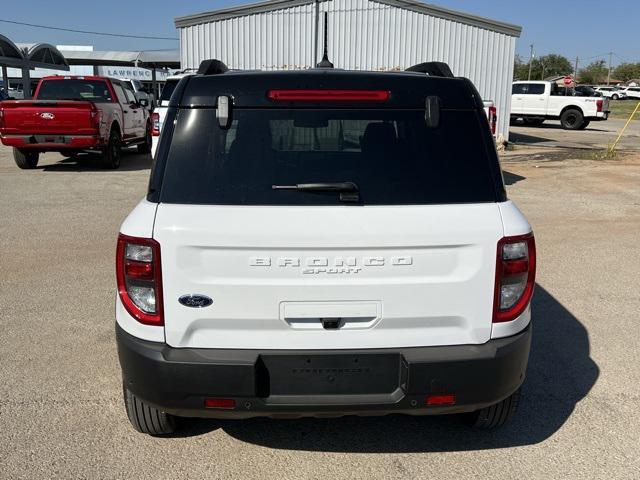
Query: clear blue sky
(574, 28)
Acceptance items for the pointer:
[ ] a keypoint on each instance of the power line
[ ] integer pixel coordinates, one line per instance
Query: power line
(87, 32)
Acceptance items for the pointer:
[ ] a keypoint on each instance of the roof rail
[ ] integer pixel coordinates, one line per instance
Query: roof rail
(212, 67)
(433, 69)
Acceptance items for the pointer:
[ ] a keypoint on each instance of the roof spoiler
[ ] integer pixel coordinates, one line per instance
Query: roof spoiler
(212, 67)
(433, 69)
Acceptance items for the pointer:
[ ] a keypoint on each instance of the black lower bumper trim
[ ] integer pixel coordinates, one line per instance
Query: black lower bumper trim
(322, 383)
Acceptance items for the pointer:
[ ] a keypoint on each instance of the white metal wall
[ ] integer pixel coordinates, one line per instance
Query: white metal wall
(363, 35)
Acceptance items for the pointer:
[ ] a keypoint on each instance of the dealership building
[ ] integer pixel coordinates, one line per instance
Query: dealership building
(362, 35)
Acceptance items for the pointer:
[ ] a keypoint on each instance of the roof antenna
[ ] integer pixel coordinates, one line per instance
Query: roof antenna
(325, 63)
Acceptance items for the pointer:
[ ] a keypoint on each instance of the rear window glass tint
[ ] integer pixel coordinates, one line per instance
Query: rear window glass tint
(75, 89)
(168, 89)
(390, 155)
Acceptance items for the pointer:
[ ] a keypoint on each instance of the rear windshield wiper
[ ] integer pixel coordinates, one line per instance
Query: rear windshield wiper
(348, 190)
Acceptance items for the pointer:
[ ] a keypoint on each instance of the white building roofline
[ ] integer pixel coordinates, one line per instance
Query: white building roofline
(413, 5)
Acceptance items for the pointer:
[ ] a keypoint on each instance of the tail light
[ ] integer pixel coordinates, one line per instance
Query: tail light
(599, 105)
(515, 276)
(155, 124)
(139, 278)
(329, 95)
(493, 119)
(96, 118)
(1, 117)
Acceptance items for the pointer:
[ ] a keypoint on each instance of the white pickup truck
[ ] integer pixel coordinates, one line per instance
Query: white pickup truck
(535, 102)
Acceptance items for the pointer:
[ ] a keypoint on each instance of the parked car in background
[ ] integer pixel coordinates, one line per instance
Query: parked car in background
(537, 101)
(631, 92)
(586, 91)
(139, 91)
(71, 114)
(614, 93)
(157, 118)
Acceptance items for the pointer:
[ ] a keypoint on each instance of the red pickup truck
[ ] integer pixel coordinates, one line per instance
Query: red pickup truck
(71, 114)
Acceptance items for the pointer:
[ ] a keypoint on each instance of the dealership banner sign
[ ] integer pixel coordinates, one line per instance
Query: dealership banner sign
(134, 73)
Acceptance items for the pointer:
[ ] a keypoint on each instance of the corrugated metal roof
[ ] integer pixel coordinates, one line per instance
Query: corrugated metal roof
(144, 59)
(413, 5)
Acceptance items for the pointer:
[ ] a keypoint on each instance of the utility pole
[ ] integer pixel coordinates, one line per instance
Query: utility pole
(530, 61)
(609, 74)
(575, 72)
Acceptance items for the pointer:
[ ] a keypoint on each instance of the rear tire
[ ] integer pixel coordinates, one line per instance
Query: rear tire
(496, 415)
(26, 159)
(146, 146)
(571, 119)
(585, 124)
(112, 153)
(145, 418)
(615, 97)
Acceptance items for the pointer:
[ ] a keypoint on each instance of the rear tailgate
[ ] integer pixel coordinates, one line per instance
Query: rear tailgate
(66, 117)
(409, 276)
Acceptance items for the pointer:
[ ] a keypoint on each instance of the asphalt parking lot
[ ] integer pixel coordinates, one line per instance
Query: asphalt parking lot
(61, 412)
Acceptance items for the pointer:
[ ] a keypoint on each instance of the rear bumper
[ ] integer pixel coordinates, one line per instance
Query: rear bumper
(43, 142)
(179, 380)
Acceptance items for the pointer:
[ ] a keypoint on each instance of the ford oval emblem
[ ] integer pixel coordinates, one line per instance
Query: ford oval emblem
(47, 116)
(195, 301)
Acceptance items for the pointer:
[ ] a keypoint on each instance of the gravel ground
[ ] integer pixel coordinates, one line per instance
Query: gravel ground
(61, 413)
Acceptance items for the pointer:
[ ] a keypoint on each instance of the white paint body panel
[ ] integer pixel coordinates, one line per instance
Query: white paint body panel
(425, 275)
(363, 35)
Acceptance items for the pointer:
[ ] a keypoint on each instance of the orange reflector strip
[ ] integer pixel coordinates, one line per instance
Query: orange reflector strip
(448, 399)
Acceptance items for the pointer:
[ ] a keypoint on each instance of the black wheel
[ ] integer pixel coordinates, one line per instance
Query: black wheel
(571, 119)
(585, 124)
(25, 159)
(146, 146)
(496, 415)
(533, 122)
(145, 418)
(112, 153)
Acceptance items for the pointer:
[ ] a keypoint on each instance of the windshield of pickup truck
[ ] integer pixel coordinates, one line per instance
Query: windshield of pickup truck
(75, 89)
(389, 156)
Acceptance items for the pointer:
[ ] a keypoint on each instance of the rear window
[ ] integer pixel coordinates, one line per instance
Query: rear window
(168, 89)
(391, 155)
(75, 89)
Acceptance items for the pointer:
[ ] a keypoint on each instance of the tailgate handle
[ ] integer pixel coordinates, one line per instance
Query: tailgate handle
(349, 315)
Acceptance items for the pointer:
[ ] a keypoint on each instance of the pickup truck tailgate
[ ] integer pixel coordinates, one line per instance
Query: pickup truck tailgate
(23, 117)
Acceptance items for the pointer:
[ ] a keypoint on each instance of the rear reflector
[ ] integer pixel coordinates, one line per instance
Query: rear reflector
(329, 95)
(448, 399)
(224, 403)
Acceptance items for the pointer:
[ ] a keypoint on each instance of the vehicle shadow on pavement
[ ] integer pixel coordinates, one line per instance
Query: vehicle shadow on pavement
(560, 374)
(522, 138)
(512, 178)
(90, 162)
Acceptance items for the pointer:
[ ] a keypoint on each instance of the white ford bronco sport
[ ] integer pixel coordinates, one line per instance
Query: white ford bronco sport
(322, 243)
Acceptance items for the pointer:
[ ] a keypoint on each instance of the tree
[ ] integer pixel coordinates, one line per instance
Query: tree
(594, 73)
(520, 69)
(551, 65)
(627, 71)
